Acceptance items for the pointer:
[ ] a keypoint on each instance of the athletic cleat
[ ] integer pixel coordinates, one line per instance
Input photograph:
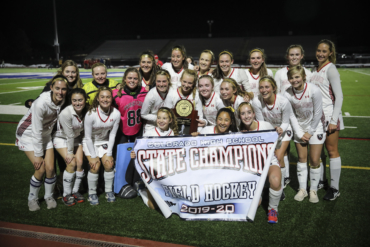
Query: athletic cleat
(286, 182)
(313, 196)
(282, 198)
(69, 200)
(272, 216)
(302, 193)
(58, 194)
(110, 197)
(51, 203)
(127, 192)
(323, 185)
(78, 197)
(331, 194)
(33, 205)
(93, 199)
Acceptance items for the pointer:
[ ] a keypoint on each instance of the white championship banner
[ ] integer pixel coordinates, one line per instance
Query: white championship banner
(209, 177)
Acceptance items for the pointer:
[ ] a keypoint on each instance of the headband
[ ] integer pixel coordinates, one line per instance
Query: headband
(255, 50)
(230, 108)
(226, 52)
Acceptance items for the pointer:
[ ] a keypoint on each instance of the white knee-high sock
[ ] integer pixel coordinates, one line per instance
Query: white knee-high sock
(92, 181)
(314, 177)
(49, 186)
(335, 169)
(274, 198)
(108, 178)
(35, 186)
(286, 161)
(321, 171)
(283, 171)
(67, 182)
(78, 180)
(302, 175)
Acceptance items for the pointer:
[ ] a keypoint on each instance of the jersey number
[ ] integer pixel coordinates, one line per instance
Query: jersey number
(133, 117)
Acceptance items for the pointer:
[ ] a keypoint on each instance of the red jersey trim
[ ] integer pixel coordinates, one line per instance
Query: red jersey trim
(145, 82)
(253, 76)
(160, 134)
(175, 70)
(323, 66)
(161, 95)
(272, 106)
(232, 72)
(178, 93)
(100, 116)
(78, 119)
(305, 88)
(211, 99)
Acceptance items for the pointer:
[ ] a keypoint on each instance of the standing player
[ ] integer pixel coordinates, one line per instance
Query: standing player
(248, 123)
(101, 125)
(327, 78)
(178, 65)
(224, 70)
(257, 60)
(155, 99)
(211, 101)
(99, 73)
(148, 69)
(307, 107)
(68, 143)
(34, 138)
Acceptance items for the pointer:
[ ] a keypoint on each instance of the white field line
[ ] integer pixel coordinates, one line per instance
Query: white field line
(21, 82)
(347, 114)
(357, 72)
(350, 127)
(21, 91)
(15, 103)
(358, 116)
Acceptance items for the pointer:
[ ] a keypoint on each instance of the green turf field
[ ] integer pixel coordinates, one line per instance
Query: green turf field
(343, 222)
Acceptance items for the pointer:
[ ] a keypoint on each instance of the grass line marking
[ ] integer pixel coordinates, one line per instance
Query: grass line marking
(41, 80)
(21, 91)
(358, 116)
(347, 167)
(358, 72)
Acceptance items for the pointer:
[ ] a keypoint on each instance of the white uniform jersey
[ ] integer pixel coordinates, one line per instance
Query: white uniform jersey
(208, 130)
(158, 132)
(144, 83)
(175, 76)
(38, 122)
(307, 107)
(101, 127)
(282, 82)
(211, 107)
(153, 101)
(240, 77)
(254, 81)
(173, 98)
(328, 80)
(69, 126)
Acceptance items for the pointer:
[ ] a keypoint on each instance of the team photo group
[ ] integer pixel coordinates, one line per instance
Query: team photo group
(79, 126)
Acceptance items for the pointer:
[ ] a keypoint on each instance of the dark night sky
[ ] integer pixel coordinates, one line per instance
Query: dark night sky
(80, 22)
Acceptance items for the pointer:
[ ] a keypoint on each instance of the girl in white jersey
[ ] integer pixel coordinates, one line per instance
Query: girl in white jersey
(327, 78)
(101, 125)
(275, 109)
(34, 138)
(188, 91)
(67, 142)
(224, 70)
(211, 101)
(178, 65)
(306, 101)
(155, 99)
(257, 60)
(248, 123)
(148, 69)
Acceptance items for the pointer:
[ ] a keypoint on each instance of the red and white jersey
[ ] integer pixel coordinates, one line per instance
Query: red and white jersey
(208, 73)
(101, 127)
(240, 77)
(254, 81)
(307, 107)
(158, 132)
(144, 83)
(175, 76)
(211, 107)
(277, 114)
(282, 82)
(208, 130)
(153, 101)
(39, 121)
(69, 126)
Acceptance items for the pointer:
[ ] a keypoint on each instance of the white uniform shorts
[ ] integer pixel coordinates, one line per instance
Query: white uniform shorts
(62, 143)
(328, 112)
(25, 143)
(101, 148)
(286, 136)
(318, 136)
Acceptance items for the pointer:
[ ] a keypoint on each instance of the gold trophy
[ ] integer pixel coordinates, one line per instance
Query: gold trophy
(186, 115)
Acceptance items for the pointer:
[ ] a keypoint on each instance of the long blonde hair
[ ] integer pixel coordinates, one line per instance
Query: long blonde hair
(95, 102)
(263, 69)
(78, 81)
(271, 80)
(333, 57)
(171, 115)
(193, 74)
(242, 125)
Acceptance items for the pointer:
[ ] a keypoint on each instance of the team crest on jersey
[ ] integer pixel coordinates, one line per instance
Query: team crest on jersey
(289, 133)
(105, 146)
(319, 136)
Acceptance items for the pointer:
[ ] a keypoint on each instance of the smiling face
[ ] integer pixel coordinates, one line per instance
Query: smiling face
(323, 53)
(105, 99)
(297, 81)
(256, 60)
(246, 115)
(227, 91)
(59, 89)
(205, 88)
(295, 56)
(223, 122)
(187, 84)
(205, 61)
(100, 74)
(225, 63)
(78, 102)
(266, 90)
(132, 80)
(177, 59)
(70, 72)
(146, 64)
(161, 83)
(163, 120)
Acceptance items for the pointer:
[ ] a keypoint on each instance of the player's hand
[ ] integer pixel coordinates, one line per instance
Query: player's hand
(196, 68)
(38, 162)
(109, 161)
(94, 163)
(118, 86)
(195, 134)
(133, 155)
(201, 123)
(147, 88)
(306, 137)
(279, 130)
(69, 158)
(332, 128)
